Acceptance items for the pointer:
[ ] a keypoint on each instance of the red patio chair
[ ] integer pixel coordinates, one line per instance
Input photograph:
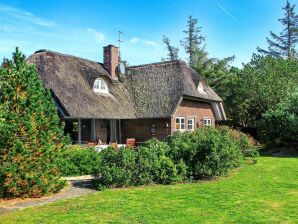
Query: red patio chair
(131, 142)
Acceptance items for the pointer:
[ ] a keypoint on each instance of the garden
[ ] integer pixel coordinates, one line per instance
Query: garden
(265, 192)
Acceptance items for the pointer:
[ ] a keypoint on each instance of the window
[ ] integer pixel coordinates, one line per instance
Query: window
(201, 89)
(100, 86)
(207, 122)
(180, 123)
(191, 123)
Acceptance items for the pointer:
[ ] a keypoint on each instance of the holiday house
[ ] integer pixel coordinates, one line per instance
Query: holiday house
(153, 100)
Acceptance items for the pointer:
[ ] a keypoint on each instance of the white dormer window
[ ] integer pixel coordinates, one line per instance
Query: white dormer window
(200, 88)
(100, 86)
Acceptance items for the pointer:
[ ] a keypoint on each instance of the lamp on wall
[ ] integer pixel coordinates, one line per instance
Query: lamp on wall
(153, 130)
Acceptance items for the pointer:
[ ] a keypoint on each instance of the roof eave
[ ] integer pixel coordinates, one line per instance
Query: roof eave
(201, 99)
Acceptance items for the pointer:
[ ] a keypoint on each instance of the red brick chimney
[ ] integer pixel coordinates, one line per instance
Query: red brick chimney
(110, 60)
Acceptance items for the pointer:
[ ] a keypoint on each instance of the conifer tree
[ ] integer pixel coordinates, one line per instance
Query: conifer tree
(194, 41)
(214, 70)
(31, 137)
(172, 51)
(283, 45)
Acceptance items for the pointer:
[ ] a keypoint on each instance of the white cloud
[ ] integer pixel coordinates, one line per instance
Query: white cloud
(24, 16)
(136, 40)
(151, 43)
(98, 35)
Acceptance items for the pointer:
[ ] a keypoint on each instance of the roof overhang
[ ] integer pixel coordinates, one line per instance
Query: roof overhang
(217, 106)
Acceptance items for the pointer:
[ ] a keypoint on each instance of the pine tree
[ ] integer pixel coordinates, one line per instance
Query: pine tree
(194, 40)
(31, 137)
(172, 51)
(215, 71)
(283, 45)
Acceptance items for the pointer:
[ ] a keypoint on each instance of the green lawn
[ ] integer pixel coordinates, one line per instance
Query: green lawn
(266, 192)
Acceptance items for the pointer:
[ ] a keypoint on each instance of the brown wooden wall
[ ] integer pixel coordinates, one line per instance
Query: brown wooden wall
(101, 128)
(144, 129)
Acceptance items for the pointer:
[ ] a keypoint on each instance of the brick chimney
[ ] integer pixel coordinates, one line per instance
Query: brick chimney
(110, 60)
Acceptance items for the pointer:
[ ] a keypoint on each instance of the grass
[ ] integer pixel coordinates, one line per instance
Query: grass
(266, 192)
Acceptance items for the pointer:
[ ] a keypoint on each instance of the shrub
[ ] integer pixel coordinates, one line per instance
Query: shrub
(202, 154)
(247, 144)
(167, 171)
(162, 169)
(207, 152)
(144, 165)
(75, 161)
(117, 168)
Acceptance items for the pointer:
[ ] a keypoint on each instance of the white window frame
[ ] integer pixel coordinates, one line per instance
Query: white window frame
(192, 124)
(100, 86)
(207, 121)
(180, 123)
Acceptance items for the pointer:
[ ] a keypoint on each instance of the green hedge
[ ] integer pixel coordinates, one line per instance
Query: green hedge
(202, 154)
(76, 160)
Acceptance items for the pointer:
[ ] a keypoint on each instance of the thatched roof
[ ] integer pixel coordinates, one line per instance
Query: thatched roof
(156, 88)
(71, 81)
(148, 91)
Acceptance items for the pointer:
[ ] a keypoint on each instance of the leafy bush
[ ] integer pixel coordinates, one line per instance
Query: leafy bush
(207, 152)
(144, 165)
(202, 154)
(116, 168)
(162, 169)
(75, 161)
(247, 144)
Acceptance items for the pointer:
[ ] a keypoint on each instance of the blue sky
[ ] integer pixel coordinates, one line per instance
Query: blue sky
(82, 28)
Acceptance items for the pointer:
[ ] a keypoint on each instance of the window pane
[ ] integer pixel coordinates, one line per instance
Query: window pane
(182, 126)
(191, 122)
(177, 120)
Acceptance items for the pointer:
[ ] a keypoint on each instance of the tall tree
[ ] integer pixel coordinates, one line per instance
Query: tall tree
(194, 40)
(215, 71)
(172, 51)
(283, 45)
(258, 87)
(31, 136)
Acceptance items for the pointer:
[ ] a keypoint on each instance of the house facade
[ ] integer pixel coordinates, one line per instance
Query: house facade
(151, 100)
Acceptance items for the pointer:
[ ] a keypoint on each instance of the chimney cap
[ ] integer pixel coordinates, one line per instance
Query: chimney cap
(110, 45)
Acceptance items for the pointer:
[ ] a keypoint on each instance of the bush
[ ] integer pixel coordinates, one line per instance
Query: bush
(207, 152)
(162, 168)
(202, 154)
(75, 161)
(247, 144)
(116, 168)
(144, 165)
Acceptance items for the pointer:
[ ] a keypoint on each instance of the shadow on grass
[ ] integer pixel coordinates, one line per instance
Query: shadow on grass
(85, 184)
(280, 152)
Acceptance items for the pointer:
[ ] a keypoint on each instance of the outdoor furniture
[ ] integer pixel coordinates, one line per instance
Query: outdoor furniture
(131, 142)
